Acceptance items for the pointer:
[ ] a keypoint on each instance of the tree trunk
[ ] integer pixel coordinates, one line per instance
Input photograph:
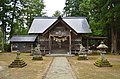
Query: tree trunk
(13, 17)
(3, 40)
(114, 41)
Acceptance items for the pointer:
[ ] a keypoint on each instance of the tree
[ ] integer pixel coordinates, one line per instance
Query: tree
(72, 7)
(57, 13)
(31, 9)
(106, 13)
(18, 14)
(103, 16)
(4, 8)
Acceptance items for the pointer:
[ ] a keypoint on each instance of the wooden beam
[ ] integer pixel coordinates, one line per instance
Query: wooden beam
(49, 44)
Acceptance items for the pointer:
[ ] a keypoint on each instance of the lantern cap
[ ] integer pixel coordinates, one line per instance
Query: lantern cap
(102, 46)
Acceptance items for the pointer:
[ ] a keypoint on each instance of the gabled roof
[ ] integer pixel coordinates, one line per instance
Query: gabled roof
(23, 38)
(79, 24)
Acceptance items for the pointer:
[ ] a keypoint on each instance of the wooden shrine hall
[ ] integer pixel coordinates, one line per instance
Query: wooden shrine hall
(55, 35)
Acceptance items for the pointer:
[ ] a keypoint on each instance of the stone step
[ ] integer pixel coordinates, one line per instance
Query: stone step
(60, 55)
(59, 52)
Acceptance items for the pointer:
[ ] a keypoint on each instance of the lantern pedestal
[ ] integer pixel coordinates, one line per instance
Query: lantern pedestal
(102, 63)
(18, 62)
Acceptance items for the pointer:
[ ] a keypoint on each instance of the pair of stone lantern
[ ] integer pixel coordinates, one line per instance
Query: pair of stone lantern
(102, 61)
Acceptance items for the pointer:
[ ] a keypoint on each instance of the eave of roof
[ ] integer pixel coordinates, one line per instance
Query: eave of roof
(23, 38)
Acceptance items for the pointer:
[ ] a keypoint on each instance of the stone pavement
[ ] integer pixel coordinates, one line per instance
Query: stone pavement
(60, 69)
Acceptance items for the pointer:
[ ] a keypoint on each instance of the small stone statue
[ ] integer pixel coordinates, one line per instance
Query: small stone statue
(37, 55)
(82, 55)
(81, 48)
(37, 50)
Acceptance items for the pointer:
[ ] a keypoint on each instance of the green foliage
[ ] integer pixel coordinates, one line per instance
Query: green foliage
(103, 16)
(72, 7)
(31, 9)
(7, 47)
(18, 14)
(57, 13)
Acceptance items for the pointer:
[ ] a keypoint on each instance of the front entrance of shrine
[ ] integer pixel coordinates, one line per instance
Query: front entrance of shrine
(60, 45)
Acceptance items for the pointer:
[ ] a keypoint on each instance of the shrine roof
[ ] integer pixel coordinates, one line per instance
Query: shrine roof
(78, 24)
(23, 38)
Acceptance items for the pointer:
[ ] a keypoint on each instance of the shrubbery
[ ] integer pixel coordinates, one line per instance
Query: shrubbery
(6, 47)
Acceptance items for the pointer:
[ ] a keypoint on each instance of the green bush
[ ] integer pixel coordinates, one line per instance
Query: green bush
(0, 46)
(6, 47)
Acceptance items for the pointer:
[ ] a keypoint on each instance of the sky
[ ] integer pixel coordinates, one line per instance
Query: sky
(53, 5)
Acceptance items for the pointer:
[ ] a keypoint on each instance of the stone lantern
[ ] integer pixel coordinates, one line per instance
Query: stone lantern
(102, 61)
(18, 62)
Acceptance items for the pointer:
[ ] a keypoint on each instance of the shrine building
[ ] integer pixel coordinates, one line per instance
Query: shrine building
(56, 35)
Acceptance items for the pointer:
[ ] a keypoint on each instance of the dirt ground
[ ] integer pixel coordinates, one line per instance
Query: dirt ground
(85, 69)
(33, 70)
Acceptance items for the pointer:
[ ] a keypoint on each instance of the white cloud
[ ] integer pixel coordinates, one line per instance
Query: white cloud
(53, 5)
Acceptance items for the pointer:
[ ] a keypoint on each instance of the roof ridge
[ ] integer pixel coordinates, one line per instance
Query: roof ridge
(45, 17)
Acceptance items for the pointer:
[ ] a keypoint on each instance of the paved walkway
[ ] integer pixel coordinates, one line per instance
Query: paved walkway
(60, 69)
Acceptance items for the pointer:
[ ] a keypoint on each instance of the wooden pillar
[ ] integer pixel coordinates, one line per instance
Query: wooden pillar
(87, 44)
(70, 42)
(38, 39)
(49, 44)
(11, 47)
